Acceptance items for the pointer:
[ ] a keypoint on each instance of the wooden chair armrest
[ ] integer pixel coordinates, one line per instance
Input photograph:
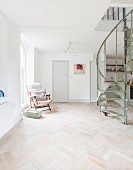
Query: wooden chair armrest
(48, 96)
(33, 101)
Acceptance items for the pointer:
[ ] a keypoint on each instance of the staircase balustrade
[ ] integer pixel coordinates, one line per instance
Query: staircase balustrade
(120, 71)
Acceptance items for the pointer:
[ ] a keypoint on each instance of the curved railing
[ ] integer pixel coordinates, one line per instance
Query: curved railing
(114, 13)
(103, 45)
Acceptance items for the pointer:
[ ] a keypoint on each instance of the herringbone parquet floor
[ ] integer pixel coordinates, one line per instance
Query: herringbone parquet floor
(74, 136)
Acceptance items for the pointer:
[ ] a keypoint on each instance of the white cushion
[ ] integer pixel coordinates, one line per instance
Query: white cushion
(37, 90)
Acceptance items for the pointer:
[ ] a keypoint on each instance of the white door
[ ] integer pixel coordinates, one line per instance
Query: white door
(60, 81)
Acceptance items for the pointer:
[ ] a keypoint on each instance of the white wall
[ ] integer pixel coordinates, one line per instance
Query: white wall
(29, 55)
(13, 69)
(36, 66)
(10, 69)
(79, 85)
(3, 57)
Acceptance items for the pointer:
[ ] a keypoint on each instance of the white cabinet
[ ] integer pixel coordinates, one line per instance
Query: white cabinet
(6, 117)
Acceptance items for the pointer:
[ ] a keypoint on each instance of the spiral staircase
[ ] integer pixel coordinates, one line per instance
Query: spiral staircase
(114, 91)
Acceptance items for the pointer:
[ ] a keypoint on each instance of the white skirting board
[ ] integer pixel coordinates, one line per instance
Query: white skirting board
(79, 100)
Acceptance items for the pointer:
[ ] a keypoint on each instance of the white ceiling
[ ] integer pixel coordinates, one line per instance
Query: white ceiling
(51, 24)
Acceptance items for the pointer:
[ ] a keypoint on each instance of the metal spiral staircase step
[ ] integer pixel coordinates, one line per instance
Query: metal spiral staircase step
(106, 111)
(104, 91)
(113, 82)
(119, 115)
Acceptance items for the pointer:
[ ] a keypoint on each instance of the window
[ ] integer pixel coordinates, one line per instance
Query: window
(23, 75)
(26, 67)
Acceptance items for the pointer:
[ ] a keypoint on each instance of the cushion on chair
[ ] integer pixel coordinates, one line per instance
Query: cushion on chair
(37, 90)
(35, 86)
(38, 93)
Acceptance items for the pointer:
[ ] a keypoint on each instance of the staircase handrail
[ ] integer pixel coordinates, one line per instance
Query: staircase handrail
(97, 59)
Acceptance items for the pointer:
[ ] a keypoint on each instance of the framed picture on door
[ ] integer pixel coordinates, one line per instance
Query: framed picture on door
(79, 68)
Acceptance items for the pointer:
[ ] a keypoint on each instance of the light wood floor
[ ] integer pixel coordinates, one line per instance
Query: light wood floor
(74, 136)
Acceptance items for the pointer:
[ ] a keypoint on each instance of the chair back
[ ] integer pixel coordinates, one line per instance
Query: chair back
(36, 89)
(35, 86)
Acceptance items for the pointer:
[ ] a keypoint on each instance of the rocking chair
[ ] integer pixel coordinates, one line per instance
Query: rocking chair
(38, 97)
